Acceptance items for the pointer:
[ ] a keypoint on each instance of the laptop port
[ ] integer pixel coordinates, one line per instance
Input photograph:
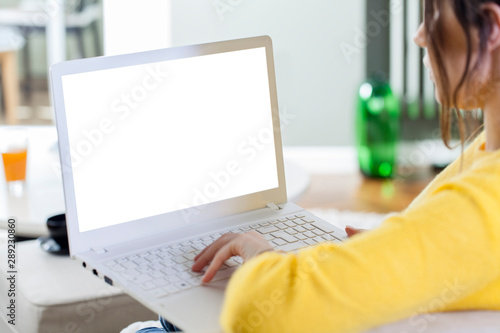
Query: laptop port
(108, 280)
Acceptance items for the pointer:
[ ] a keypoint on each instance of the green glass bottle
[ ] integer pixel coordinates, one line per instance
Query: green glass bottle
(377, 128)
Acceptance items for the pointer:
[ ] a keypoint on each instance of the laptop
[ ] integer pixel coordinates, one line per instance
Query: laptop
(164, 151)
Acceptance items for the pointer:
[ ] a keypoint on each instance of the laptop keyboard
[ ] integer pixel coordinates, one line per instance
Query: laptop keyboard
(167, 269)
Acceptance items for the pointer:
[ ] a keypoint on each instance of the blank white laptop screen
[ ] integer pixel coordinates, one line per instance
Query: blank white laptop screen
(155, 138)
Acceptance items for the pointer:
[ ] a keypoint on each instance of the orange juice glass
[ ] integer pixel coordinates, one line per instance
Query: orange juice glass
(14, 150)
(14, 164)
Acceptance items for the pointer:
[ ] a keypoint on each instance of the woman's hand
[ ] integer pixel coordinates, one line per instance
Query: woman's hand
(352, 231)
(247, 246)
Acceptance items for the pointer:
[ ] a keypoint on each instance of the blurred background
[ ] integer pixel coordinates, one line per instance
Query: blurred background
(324, 49)
(360, 125)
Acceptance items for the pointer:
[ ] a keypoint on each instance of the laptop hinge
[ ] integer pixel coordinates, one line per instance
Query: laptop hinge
(273, 206)
(98, 250)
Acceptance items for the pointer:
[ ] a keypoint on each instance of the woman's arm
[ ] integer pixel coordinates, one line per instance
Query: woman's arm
(435, 254)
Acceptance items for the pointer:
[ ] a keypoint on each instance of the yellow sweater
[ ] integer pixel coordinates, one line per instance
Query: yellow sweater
(440, 254)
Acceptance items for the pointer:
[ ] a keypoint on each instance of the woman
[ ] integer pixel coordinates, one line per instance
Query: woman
(440, 254)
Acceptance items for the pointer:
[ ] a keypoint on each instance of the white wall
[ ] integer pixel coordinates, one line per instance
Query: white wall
(316, 83)
(150, 29)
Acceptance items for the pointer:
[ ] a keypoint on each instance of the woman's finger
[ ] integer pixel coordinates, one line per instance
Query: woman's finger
(201, 252)
(207, 255)
(222, 255)
(352, 231)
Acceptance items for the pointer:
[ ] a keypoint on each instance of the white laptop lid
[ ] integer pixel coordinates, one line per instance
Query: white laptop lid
(167, 139)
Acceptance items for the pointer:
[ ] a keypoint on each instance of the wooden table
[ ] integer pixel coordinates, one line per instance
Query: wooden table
(355, 192)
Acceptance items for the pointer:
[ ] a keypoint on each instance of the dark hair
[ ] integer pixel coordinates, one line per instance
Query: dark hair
(470, 15)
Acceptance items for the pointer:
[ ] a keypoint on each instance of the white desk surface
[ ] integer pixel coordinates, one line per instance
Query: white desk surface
(44, 197)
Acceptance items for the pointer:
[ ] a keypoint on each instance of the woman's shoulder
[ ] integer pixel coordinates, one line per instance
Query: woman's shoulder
(462, 165)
